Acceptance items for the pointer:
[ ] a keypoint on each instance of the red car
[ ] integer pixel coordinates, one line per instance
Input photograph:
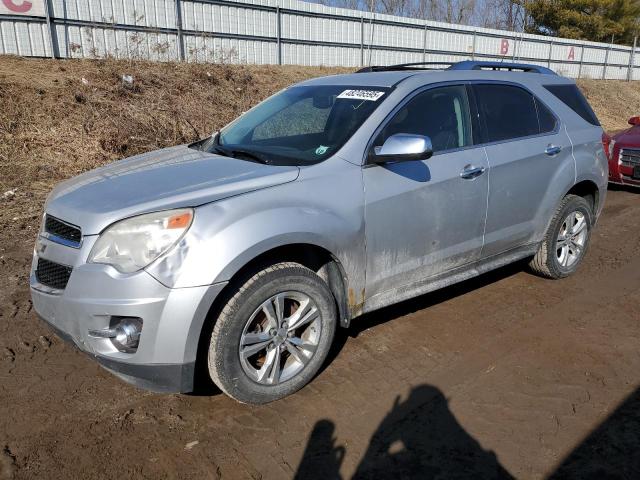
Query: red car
(623, 151)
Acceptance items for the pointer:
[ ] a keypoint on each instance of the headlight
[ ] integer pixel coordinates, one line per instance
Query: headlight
(132, 244)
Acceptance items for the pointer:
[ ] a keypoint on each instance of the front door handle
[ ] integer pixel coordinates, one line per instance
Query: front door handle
(469, 172)
(552, 150)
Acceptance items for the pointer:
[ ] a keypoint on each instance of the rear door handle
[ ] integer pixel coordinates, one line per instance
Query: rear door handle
(552, 150)
(469, 172)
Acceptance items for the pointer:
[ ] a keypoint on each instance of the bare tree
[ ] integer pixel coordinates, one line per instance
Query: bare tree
(502, 14)
(505, 14)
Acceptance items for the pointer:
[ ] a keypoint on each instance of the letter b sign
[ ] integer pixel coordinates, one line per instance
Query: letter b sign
(504, 46)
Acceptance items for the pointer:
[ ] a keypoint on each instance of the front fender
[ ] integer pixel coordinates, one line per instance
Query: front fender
(323, 208)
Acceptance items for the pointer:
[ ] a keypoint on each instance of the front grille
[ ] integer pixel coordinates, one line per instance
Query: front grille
(53, 274)
(62, 229)
(630, 157)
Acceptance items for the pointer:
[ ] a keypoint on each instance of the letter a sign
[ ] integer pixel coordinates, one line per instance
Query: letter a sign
(572, 54)
(33, 8)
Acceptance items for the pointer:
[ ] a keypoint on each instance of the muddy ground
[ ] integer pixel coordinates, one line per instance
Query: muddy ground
(504, 375)
(507, 374)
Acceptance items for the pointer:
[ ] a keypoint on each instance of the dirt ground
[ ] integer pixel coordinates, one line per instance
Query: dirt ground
(506, 375)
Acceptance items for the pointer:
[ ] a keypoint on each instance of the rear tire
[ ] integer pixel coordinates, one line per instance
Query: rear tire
(566, 241)
(273, 335)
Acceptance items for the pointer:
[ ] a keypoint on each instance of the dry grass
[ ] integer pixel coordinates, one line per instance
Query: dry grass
(614, 101)
(60, 118)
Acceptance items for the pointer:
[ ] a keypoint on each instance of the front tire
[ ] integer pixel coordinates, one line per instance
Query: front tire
(566, 241)
(273, 335)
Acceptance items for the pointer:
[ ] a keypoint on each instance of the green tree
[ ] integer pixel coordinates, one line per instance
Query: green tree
(595, 20)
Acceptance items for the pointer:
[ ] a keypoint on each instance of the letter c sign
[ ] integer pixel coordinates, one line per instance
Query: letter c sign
(34, 8)
(18, 6)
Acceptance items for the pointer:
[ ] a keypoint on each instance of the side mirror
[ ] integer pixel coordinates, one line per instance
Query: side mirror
(634, 121)
(403, 147)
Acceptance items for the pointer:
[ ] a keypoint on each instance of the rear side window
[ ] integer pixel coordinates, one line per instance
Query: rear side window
(573, 98)
(546, 118)
(508, 111)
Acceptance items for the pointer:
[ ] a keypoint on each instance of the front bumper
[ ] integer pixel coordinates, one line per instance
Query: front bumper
(172, 319)
(621, 174)
(164, 378)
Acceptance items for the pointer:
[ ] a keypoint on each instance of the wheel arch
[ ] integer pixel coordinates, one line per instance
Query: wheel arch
(588, 190)
(313, 256)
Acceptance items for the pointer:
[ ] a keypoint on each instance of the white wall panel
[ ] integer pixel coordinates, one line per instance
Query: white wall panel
(237, 31)
(150, 13)
(23, 38)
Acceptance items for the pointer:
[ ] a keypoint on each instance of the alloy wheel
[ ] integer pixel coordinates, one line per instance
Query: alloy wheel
(280, 338)
(571, 239)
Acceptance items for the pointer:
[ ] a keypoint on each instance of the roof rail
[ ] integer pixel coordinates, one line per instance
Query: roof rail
(521, 67)
(405, 66)
(466, 65)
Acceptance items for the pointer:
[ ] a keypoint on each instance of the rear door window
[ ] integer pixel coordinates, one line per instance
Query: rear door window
(571, 96)
(508, 112)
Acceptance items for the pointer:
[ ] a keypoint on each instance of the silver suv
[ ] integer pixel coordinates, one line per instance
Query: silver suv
(240, 255)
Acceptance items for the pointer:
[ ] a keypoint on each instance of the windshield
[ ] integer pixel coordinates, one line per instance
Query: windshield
(300, 125)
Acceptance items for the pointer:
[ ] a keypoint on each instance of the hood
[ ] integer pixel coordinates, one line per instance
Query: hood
(171, 178)
(629, 137)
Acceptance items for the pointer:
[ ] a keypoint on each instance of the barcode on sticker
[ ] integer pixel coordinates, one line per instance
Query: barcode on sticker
(372, 95)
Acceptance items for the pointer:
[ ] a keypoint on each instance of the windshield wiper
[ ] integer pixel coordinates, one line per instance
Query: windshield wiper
(239, 153)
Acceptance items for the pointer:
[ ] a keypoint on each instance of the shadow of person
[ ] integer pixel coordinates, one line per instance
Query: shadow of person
(322, 459)
(420, 438)
(610, 451)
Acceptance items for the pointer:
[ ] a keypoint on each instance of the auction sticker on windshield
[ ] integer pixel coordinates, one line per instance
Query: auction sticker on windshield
(372, 95)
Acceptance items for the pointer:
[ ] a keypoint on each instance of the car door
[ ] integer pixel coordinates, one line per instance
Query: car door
(422, 217)
(526, 149)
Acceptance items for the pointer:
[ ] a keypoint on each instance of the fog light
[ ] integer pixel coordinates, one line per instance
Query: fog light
(128, 331)
(124, 333)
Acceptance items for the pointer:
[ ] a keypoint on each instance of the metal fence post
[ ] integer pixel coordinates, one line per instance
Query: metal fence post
(581, 57)
(371, 27)
(606, 60)
(515, 46)
(179, 29)
(279, 35)
(424, 43)
(361, 41)
(473, 46)
(632, 64)
(550, 54)
(53, 41)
